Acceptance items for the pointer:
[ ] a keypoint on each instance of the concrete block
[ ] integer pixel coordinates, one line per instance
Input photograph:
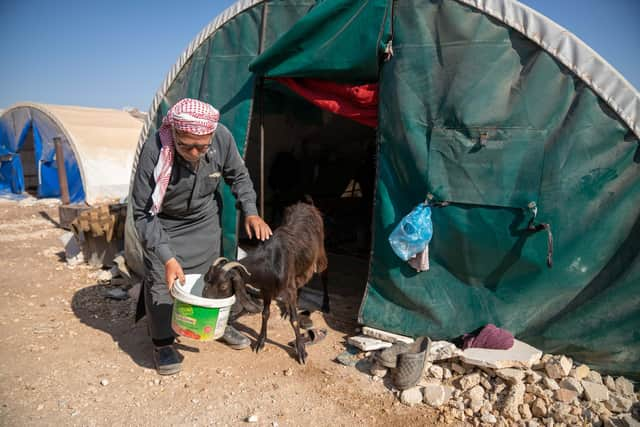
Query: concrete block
(386, 336)
(521, 355)
(365, 343)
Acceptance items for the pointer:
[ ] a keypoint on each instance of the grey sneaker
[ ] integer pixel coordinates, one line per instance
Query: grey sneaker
(234, 339)
(167, 360)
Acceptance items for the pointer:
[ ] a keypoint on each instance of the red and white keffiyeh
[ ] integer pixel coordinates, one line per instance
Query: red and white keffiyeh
(187, 115)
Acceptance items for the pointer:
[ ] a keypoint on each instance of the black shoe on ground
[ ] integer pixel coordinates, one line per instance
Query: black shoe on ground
(168, 361)
(234, 339)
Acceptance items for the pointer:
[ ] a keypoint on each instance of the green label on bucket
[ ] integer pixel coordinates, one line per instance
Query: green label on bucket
(194, 321)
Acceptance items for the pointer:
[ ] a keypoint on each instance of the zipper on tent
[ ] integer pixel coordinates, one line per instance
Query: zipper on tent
(532, 226)
(388, 49)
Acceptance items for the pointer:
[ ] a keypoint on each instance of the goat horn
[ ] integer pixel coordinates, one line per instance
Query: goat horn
(232, 264)
(219, 260)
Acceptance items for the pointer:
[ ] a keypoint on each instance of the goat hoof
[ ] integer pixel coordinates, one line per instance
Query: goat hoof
(259, 346)
(302, 355)
(325, 308)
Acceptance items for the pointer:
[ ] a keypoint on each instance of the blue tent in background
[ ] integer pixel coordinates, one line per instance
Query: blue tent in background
(98, 146)
(28, 163)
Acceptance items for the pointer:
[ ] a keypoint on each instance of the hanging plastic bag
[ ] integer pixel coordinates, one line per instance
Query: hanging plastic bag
(412, 235)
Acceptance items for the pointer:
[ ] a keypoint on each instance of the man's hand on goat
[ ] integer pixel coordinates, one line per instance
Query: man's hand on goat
(256, 227)
(173, 271)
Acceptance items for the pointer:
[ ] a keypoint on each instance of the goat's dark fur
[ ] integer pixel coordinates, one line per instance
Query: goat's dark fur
(277, 267)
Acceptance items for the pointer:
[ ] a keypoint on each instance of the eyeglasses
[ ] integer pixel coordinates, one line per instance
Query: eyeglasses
(189, 147)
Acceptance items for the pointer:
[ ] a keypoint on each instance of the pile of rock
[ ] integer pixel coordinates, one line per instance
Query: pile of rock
(543, 390)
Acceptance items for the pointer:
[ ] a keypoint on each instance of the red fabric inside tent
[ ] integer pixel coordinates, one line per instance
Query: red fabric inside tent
(356, 102)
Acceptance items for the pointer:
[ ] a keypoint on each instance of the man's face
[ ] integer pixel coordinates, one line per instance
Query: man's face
(191, 147)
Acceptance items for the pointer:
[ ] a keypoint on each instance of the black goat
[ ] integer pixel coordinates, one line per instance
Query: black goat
(277, 267)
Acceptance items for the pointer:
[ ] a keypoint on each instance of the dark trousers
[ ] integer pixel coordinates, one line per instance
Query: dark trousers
(158, 306)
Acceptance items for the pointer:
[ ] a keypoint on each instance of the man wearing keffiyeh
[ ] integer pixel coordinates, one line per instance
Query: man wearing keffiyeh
(177, 205)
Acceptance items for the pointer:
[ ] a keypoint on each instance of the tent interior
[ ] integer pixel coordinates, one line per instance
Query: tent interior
(310, 151)
(29, 166)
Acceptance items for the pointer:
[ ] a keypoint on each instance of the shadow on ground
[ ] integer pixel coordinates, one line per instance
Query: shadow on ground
(116, 318)
(347, 281)
(49, 218)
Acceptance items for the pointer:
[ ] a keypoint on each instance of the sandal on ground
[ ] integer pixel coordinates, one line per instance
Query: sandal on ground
(312, 336)
(389, 356)
(304, 319)
(411, 364)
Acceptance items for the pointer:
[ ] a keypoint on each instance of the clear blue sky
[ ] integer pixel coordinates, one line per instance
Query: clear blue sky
(117, 53)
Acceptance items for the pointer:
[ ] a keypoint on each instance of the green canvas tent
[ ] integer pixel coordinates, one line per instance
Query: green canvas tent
(500, 116)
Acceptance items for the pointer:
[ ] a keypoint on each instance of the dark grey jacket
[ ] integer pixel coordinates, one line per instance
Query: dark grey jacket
(188, 225)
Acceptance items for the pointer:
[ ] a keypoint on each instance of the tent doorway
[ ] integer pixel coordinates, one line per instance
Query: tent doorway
(308, 151)
(29, 163)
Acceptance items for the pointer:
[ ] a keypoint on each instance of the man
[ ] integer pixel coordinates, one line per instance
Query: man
(177, 209)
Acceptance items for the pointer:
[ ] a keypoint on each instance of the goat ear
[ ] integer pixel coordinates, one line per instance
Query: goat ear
(208, 275)
(244, 273)
(241, 293)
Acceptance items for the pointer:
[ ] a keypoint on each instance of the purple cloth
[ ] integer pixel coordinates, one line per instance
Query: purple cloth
(489, 337)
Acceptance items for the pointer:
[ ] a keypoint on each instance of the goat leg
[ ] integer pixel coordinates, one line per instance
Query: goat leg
(284, 310)
(325, 288)
(266, 310)
(300, 350)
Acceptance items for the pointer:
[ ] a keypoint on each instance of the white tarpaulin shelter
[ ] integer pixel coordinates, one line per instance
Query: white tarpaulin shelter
(98, 145)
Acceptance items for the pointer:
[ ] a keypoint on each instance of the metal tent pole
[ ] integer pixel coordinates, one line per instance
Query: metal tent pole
(62, 172)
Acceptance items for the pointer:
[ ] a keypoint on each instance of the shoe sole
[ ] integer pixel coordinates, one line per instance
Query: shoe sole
(169, 369)
(239, 346)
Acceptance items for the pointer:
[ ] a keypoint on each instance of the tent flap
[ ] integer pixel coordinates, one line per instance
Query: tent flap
(356, 102)
(337, 40)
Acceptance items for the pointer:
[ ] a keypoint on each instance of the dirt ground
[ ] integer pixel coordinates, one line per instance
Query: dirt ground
(69, 356)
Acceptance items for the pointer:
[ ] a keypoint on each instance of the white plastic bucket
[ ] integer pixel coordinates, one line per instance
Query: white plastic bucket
(203, 319)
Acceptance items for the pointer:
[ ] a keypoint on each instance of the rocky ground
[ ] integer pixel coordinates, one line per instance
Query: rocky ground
(70, 356)
(551, 391)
